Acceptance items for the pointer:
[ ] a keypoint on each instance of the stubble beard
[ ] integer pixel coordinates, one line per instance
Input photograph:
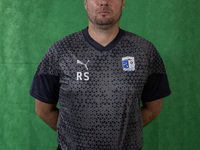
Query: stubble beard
(104, 23)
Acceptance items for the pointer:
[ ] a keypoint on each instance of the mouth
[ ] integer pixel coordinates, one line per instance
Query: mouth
(103, 12)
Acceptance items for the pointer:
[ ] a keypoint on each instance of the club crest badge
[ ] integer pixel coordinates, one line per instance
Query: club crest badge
(128, 63)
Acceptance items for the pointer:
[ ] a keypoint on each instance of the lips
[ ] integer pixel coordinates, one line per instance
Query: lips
(104, 12)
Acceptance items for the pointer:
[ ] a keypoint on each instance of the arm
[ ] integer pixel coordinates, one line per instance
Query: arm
(47, 112)
(150, 110)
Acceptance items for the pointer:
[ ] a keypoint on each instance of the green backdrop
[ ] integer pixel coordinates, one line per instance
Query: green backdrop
(28, 28)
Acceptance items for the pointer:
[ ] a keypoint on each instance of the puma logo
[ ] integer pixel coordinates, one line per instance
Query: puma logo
(81, 63)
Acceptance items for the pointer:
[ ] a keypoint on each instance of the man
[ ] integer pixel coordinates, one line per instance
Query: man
(99, 75)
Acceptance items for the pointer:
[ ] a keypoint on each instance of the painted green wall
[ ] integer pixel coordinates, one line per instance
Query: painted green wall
(28, 28)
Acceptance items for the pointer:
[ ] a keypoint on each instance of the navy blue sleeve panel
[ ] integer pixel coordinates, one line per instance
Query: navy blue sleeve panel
(157, 87)
(45, 88)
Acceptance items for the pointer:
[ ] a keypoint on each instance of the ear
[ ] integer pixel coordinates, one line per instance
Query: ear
(85, 4)
(123, 4)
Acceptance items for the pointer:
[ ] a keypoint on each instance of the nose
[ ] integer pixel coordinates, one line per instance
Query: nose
(103, 3)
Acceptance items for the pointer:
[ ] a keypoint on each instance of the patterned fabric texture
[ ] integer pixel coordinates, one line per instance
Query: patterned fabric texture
(99, 101)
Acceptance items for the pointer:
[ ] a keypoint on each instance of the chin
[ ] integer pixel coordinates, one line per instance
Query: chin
(104, 21)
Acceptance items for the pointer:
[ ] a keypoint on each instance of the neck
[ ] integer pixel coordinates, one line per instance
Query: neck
(103, 36)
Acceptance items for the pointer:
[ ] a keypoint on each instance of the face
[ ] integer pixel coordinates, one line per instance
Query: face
(104, 13)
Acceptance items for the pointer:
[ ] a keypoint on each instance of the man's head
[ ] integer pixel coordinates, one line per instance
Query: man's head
(104, 13)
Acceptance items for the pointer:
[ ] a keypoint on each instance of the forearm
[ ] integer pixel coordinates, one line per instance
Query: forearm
(150, 110)
(147, 116)
(50, 118)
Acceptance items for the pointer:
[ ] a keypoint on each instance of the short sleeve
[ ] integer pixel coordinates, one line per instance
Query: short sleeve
(45, 85)
(157, 85)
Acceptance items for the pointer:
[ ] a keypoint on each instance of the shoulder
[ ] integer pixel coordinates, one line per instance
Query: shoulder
(68, 41)
(60, 47)
(135, 39)
(139, 43)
